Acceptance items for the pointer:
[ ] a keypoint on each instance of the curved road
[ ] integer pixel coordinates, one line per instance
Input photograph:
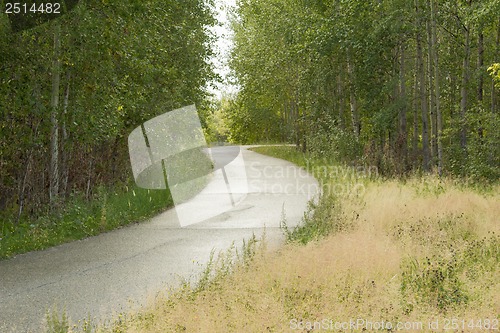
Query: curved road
(116, 271)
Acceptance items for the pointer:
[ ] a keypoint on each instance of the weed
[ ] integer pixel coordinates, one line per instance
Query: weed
(455, 260)
(56, 323)
(434, 281)
(319, 221)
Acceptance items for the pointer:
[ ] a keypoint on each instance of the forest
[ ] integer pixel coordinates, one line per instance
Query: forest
(74, 85)
(404, 85)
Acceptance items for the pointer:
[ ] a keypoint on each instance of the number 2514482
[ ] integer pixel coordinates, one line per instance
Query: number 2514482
(35, 8)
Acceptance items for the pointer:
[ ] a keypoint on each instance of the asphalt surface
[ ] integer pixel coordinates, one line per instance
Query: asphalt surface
(118, 271)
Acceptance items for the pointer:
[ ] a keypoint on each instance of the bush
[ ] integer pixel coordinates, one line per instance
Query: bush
(481, 158)
(327, 140)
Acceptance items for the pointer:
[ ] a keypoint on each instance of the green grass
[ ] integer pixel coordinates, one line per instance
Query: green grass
(110, 209)
(289, 153)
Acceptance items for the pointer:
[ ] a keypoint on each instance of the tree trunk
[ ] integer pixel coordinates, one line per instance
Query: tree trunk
(341, 101)
(494, 91)
(437, 91)
(296, 133)
(415, 119)
(480, 65)
(403, 131)
(65, 137)
(54, 117)
(432, 99)
(463, 90)
(480, 79)
(90, 179)
(27, 169)
(352, 99)
(22, 187)
(422, 94)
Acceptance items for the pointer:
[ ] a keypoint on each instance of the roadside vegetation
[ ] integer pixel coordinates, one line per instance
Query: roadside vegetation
(415, 251)
(80, 218)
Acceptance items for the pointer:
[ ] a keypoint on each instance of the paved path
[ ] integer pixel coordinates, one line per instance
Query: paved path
(113, 272)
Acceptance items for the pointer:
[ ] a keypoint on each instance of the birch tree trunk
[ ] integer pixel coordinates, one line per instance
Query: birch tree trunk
(352, 99)
(54, 117)
(494, 91)
(403, 131)
(341, 101)
(65, 137)
(463, 89)
(480, 79)
(437, 89)
(415, 118)
(480, 64)
(432, 95)
(422, 93)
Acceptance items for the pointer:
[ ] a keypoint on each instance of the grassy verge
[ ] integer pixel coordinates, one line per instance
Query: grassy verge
(288, 153)
(80, 218)
(423, 254)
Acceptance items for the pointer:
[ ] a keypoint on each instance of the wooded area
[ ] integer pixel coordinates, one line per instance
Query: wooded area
(403, 85)
(73, 87)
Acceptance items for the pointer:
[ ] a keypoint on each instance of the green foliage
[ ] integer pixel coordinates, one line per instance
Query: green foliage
(495, 73)
(218, 130)
(249, 123)
(317, 73)
(330, 141)
(480, 161)
(56, 324)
